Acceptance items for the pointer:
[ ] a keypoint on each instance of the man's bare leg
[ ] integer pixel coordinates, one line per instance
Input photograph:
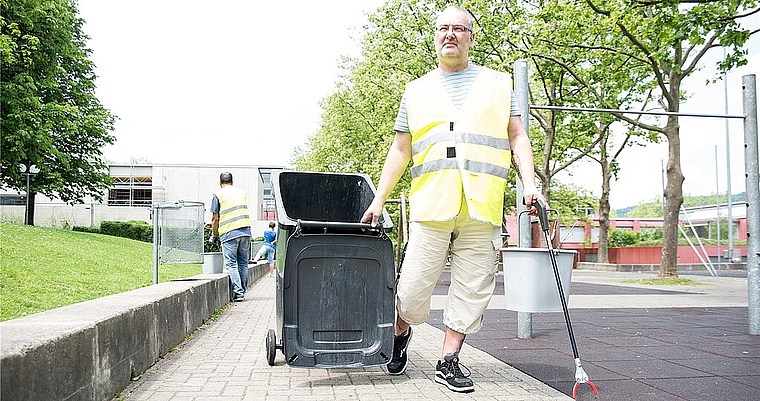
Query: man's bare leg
(452, 342)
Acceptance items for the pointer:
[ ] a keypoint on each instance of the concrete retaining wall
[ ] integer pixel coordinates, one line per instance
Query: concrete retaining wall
(90, 350)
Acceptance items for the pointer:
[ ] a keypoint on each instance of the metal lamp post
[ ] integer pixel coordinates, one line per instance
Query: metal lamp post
(30, 171)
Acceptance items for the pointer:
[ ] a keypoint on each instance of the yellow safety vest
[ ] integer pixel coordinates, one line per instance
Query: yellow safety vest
(459, 151)
(233, 209)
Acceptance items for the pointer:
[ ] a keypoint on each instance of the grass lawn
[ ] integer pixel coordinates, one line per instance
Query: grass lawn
(665, 281)
(45, 268)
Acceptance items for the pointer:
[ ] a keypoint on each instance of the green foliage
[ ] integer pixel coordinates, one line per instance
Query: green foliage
(135, 229)
(209, 247)
(51, 117)
(616, 55)
(665, 281)
(622, 238)
(571, 201)
(712, 199)
(649, 209)
(357, 122)
(669, 39)
(654, 234)
(83, 229)
(44, 268)
(564, 42)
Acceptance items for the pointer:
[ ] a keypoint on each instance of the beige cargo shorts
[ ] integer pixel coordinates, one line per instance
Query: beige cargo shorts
(474, 259)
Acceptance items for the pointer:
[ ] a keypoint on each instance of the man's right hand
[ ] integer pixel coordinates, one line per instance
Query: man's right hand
(212, 239)
(372, 215)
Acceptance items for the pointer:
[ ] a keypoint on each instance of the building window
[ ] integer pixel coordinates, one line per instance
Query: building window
(131, 191)
(10, 199)
(267, 206)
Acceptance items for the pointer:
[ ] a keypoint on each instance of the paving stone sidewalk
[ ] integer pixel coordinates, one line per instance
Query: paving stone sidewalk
(226, 360)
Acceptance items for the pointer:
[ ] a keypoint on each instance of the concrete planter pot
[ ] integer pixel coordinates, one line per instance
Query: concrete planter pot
(213, 263)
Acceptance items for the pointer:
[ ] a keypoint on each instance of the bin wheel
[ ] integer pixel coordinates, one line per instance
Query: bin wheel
(271, 346)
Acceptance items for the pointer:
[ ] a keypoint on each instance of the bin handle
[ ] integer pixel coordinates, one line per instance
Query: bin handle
(334, 224)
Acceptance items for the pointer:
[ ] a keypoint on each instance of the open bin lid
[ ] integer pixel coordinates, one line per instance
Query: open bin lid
(323, 197)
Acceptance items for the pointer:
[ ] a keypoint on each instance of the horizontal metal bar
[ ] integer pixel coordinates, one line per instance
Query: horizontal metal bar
(332, 224)
(653, 113)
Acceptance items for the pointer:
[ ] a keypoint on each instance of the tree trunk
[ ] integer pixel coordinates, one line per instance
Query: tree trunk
(673, 200)
(602, 255)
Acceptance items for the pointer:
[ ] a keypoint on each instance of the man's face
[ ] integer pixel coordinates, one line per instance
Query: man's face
(453, 35)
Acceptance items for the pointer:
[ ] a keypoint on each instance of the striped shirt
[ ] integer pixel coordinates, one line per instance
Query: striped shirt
(457, 85)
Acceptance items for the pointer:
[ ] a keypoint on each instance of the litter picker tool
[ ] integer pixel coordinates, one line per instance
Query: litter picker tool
(580, 375)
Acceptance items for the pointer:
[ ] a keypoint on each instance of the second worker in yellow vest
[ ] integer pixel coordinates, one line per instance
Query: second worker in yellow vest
(231, 223)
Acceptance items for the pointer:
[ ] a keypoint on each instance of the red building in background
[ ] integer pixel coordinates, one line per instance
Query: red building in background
(583, 236)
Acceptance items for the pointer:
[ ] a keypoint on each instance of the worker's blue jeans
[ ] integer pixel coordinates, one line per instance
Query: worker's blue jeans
(236, 252)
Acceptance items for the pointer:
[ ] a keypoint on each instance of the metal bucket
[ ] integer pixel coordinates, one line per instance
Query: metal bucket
(213, 263)
(529, 282)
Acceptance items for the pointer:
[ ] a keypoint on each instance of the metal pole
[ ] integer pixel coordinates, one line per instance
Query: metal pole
(154, 209)
(752, 177)
(706, 260)
(639, 112)
(717, 204)
(524, 319)
(730, 237)
(26, 206)
(662, 184)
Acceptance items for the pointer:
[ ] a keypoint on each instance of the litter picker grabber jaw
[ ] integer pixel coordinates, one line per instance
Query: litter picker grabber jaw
(580, 375)
(580, 378)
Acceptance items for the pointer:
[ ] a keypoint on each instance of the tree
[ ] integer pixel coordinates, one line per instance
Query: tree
(670, 38)
(357, 121)
(50, 115)
(397, 48)
(572, 202)
(565, 42)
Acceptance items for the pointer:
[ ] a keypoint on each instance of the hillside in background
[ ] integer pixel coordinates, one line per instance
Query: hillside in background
(688, 201)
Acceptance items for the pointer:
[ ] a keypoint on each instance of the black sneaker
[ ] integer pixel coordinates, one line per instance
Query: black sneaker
(397, 365)
(449, 374)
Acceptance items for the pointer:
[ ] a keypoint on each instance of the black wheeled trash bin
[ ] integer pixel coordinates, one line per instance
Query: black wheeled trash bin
(335, 276)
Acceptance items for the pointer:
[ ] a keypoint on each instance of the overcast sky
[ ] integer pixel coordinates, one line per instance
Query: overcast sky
(239, 82)
(226, 81)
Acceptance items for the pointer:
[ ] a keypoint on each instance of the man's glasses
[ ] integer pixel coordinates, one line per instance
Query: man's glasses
(453, 28)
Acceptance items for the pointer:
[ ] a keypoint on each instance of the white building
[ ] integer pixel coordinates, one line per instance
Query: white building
(139, 186)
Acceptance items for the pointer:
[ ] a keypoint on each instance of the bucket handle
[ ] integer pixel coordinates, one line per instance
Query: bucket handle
(544, 223)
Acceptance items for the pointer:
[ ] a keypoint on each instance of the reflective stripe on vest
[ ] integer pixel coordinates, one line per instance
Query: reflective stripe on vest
(459, 151)
(233, 209)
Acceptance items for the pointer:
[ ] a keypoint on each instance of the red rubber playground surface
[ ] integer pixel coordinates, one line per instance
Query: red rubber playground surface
(630, 353)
